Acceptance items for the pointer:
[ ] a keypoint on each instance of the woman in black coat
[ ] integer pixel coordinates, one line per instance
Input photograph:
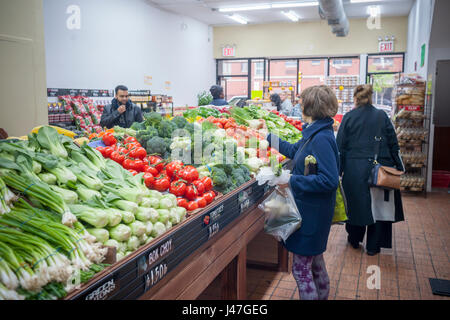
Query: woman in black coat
(368, 207)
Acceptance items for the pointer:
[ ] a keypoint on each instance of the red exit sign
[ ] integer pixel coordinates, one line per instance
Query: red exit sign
(228, 51)
(386, 46)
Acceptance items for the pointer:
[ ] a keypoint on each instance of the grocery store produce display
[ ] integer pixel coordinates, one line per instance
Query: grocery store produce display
(81, 204)
(64, 207)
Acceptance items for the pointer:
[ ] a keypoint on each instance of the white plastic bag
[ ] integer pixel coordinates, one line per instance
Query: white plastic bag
(266, 174)
(282, 217)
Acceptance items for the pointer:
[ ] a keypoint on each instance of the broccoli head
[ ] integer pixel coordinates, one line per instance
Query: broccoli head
(138, 126)
(180, 121)
(166, 128)
(189, 127)
(238, 177)
(219, 177)
(152, 118)
(156, 145)
(246, 172)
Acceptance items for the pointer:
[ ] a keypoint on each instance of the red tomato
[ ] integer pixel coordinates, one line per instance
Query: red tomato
(151, 170)
(101, 150)
(128, 164)
(122, 150)
(200, 187)
(188, 173)
(162, 183)
(130, 140)
(156, 162)
(208, 197)
(192, 205)
(182, 202)
(134, 172)
(178, 188)
(173, 167)
(207, 182)
(219, 125)
(108, 151)
(201, 201)
(117, 157)
(148, 179)
(109, 139)
(139, 165)
(138, 152)
(191, 192)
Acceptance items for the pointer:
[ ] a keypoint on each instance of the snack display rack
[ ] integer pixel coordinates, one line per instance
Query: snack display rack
(411, 121)
(271, 87)
(343, 87)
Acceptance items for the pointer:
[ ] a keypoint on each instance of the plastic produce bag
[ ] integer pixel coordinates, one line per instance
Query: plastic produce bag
(340, 209)
(266, 174)
(282, 217)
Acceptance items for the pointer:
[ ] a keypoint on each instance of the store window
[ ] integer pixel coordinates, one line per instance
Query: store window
(232, 67)
(291, 64)
(384, 63)
(344, 66)
(313, 73)
(234, 87)
(244, 67)
(257, 78)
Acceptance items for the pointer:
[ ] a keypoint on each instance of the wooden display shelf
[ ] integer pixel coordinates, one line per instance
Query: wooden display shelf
(190, 248)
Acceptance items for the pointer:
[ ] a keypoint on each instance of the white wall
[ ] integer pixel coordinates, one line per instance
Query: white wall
(121, 42)
(419, 28)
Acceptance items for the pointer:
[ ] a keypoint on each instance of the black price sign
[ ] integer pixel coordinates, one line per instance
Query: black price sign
(103, 291)
(213, 230)
(154, 255)
(155, 275)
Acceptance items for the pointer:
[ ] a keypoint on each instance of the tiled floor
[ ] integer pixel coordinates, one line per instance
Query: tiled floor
(421, 250)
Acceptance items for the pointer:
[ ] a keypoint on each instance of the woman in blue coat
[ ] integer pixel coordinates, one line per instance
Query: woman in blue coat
(315, 194)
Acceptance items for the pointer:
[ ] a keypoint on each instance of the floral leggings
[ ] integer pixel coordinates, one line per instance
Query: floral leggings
(311, 276)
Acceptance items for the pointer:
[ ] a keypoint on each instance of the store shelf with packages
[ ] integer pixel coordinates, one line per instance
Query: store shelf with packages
(139, 273)
(343, 87)
(411, 107)
(271, 87)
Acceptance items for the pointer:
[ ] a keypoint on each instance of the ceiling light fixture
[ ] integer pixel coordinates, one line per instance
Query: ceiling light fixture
(291, 15)
(245, 8)
(238, 18)
(295, 4)
(363, 1)
(270, 6)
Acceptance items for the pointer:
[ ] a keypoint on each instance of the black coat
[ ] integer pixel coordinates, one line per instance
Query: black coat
(111, 117)
(356, 145)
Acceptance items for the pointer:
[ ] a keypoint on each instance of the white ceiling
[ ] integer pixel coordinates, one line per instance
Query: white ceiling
(203, 10)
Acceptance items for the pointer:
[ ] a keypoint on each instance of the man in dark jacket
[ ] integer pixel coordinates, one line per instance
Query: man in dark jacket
(218, 96)
(121, 112)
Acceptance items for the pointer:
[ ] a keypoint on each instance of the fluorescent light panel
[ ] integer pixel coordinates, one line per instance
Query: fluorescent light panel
(363, 1)
(238, 18)
(247, 8)
(291, 15)
(295, 4)
(270, 6)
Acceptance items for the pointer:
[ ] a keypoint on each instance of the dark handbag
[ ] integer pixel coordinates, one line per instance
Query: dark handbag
(383, 176)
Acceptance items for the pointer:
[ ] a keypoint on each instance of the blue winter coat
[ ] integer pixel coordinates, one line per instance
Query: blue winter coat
(315, 195)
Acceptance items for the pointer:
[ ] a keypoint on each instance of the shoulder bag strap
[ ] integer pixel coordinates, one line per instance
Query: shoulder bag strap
(378, 136)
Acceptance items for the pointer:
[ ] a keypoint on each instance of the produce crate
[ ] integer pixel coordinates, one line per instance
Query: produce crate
(133, 276)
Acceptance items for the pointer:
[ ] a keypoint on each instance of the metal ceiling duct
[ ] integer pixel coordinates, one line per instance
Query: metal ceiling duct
(333, 11)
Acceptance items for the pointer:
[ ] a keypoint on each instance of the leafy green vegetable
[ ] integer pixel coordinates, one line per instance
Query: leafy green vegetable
(48, 138)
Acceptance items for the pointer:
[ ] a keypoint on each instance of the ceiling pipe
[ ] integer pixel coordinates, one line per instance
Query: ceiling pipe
(333, 11)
